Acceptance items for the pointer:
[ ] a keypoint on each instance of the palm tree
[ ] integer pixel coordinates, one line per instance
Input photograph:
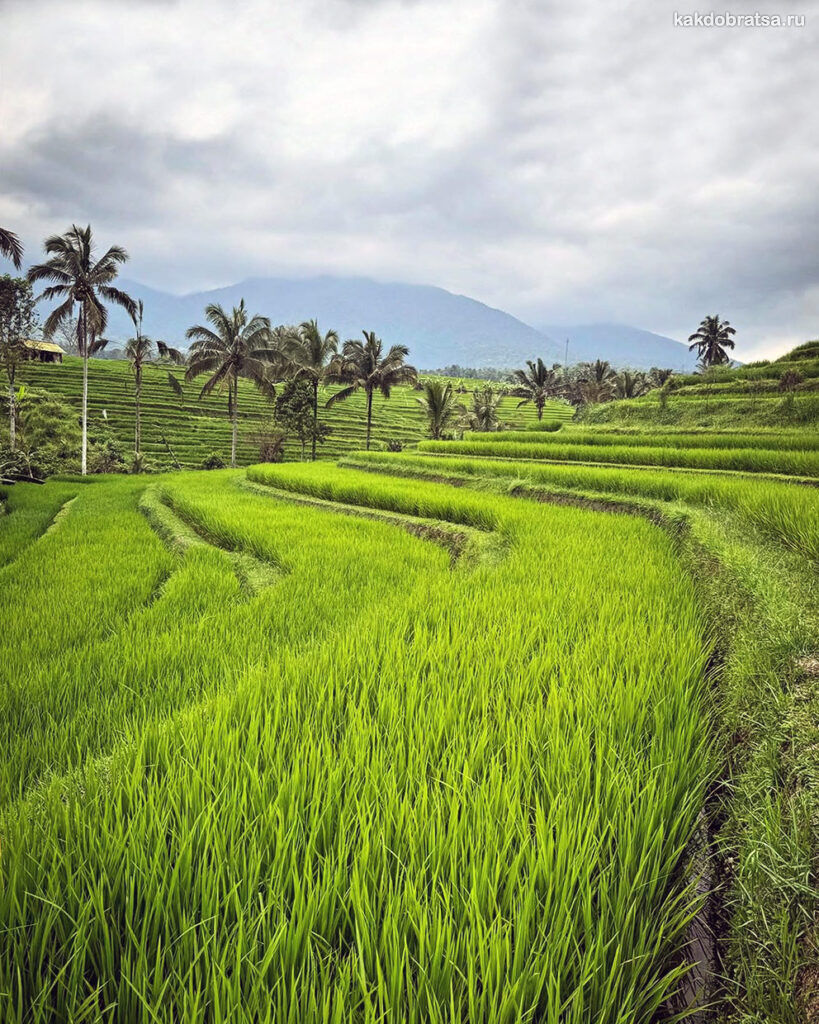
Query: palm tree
(82, 279)
(438, 404)
(235, 345)
(168, 354)
(630, 385)
(483, 415)
(311, 354)
(137, 351)
(597, 381)
(711, 340)
(362, 367)
(11, 247)
(658, 377)
(536, 384)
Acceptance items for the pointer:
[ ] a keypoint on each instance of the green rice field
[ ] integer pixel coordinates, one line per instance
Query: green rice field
(187, 429)
(488, 731)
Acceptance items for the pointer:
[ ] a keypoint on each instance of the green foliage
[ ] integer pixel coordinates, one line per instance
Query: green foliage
(18, 323)
(364, 366)
(213, 461)
(482, 414)
(807, 350)
(294, 412)
(18, 315)
(439, 407)
(48, 435)
(441, 757)
(751, 460)
(105, 453)
(195, 428)
(712, 339)
(537, 384)
(376, 753)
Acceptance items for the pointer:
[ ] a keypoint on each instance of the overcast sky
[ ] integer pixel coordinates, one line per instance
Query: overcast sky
(575, 162)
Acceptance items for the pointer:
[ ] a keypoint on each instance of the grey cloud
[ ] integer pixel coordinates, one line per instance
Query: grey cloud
(615, 167)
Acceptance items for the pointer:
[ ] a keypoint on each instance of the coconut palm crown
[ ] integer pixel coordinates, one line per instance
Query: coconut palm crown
(438, 404)
(711, 340)
(11, 247)
(234, 345)
(535, 384)
(310, 354)
(482, 415)
(78, 277)
(362, 366)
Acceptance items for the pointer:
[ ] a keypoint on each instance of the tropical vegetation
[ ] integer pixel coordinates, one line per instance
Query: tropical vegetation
(81, 279)
(363, 366)
(11, 247)
(712, 339)
(511, 717)
(235, 345)
(536, 384)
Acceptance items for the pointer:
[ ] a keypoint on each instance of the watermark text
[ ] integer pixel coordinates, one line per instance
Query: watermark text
(729, 20)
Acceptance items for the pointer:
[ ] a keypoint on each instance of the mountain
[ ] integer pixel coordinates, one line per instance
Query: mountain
(622, 346)
(439, 328)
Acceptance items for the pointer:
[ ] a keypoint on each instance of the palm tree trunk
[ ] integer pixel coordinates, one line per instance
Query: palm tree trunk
(369, 415)
(235, 422)
(83, 342)
(84, 469)
(315, 415)
(137, 424)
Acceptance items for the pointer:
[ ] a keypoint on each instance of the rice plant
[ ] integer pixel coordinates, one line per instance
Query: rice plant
(560, 448)
(379, 787)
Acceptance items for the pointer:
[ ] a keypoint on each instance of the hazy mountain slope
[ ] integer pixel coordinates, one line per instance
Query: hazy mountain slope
(622, 345)
(440, 328)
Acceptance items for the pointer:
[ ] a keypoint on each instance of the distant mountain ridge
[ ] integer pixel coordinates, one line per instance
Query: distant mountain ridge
(438, 326)
(623, 345)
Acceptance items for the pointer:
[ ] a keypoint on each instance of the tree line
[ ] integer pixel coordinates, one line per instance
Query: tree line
(233, 345)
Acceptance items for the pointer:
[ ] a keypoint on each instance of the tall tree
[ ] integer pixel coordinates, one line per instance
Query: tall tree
(362, 366)
(11, 247)
(483, 413)
(293, 412)
(138, 351)
(596, 381)
(18, 320)
(711, 340)
(311, 354)
(438, 403)
(234, 345)
(536, 384)
(82, 279)
(658, 377)
(630, 385)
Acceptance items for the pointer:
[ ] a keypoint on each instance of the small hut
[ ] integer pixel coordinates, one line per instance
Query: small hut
(43, 351)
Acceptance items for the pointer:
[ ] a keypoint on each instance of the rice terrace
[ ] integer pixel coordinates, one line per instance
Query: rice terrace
(514, 723)
(371, 653)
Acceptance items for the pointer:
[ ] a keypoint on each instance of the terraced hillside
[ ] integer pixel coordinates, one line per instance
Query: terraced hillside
(443, 735)
(194, 429)
(724, 397)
